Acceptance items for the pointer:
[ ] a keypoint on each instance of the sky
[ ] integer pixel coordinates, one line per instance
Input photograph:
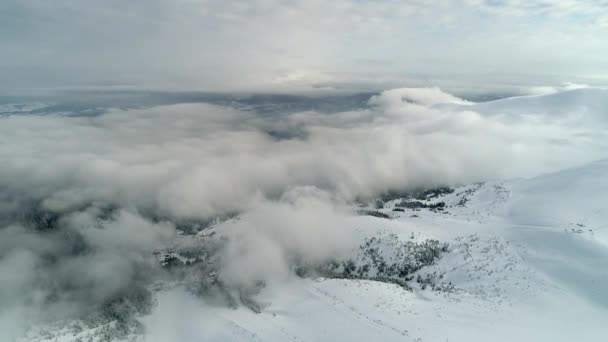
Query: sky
(289, 44)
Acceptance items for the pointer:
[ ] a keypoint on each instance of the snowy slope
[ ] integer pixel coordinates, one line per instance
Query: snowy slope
(521, 267)
(527, 262)
(587, 103)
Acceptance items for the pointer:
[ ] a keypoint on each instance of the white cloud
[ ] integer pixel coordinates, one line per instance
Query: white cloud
(118, 183)
(545, 90)
(198, 160)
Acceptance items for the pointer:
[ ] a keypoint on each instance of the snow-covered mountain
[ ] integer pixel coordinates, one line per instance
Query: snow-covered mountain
(526, 262)
(350, 224)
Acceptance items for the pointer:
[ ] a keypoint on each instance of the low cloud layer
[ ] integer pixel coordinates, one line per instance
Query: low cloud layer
(118, 184)
(198, 160)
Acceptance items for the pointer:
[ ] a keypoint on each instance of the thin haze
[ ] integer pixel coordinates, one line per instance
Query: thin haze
(294, 44)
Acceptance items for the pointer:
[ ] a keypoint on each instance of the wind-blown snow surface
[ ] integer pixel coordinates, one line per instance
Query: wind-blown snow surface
(527, 257)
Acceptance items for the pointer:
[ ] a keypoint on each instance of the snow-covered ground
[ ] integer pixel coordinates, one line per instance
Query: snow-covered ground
(528, 261)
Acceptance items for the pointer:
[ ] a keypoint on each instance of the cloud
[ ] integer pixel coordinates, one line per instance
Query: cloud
(545, 90)
(74, 268)
(85, 201)
(304, 227)
(199, 160)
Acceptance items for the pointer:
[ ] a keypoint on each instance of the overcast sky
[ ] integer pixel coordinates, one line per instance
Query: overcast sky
(264, 44)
